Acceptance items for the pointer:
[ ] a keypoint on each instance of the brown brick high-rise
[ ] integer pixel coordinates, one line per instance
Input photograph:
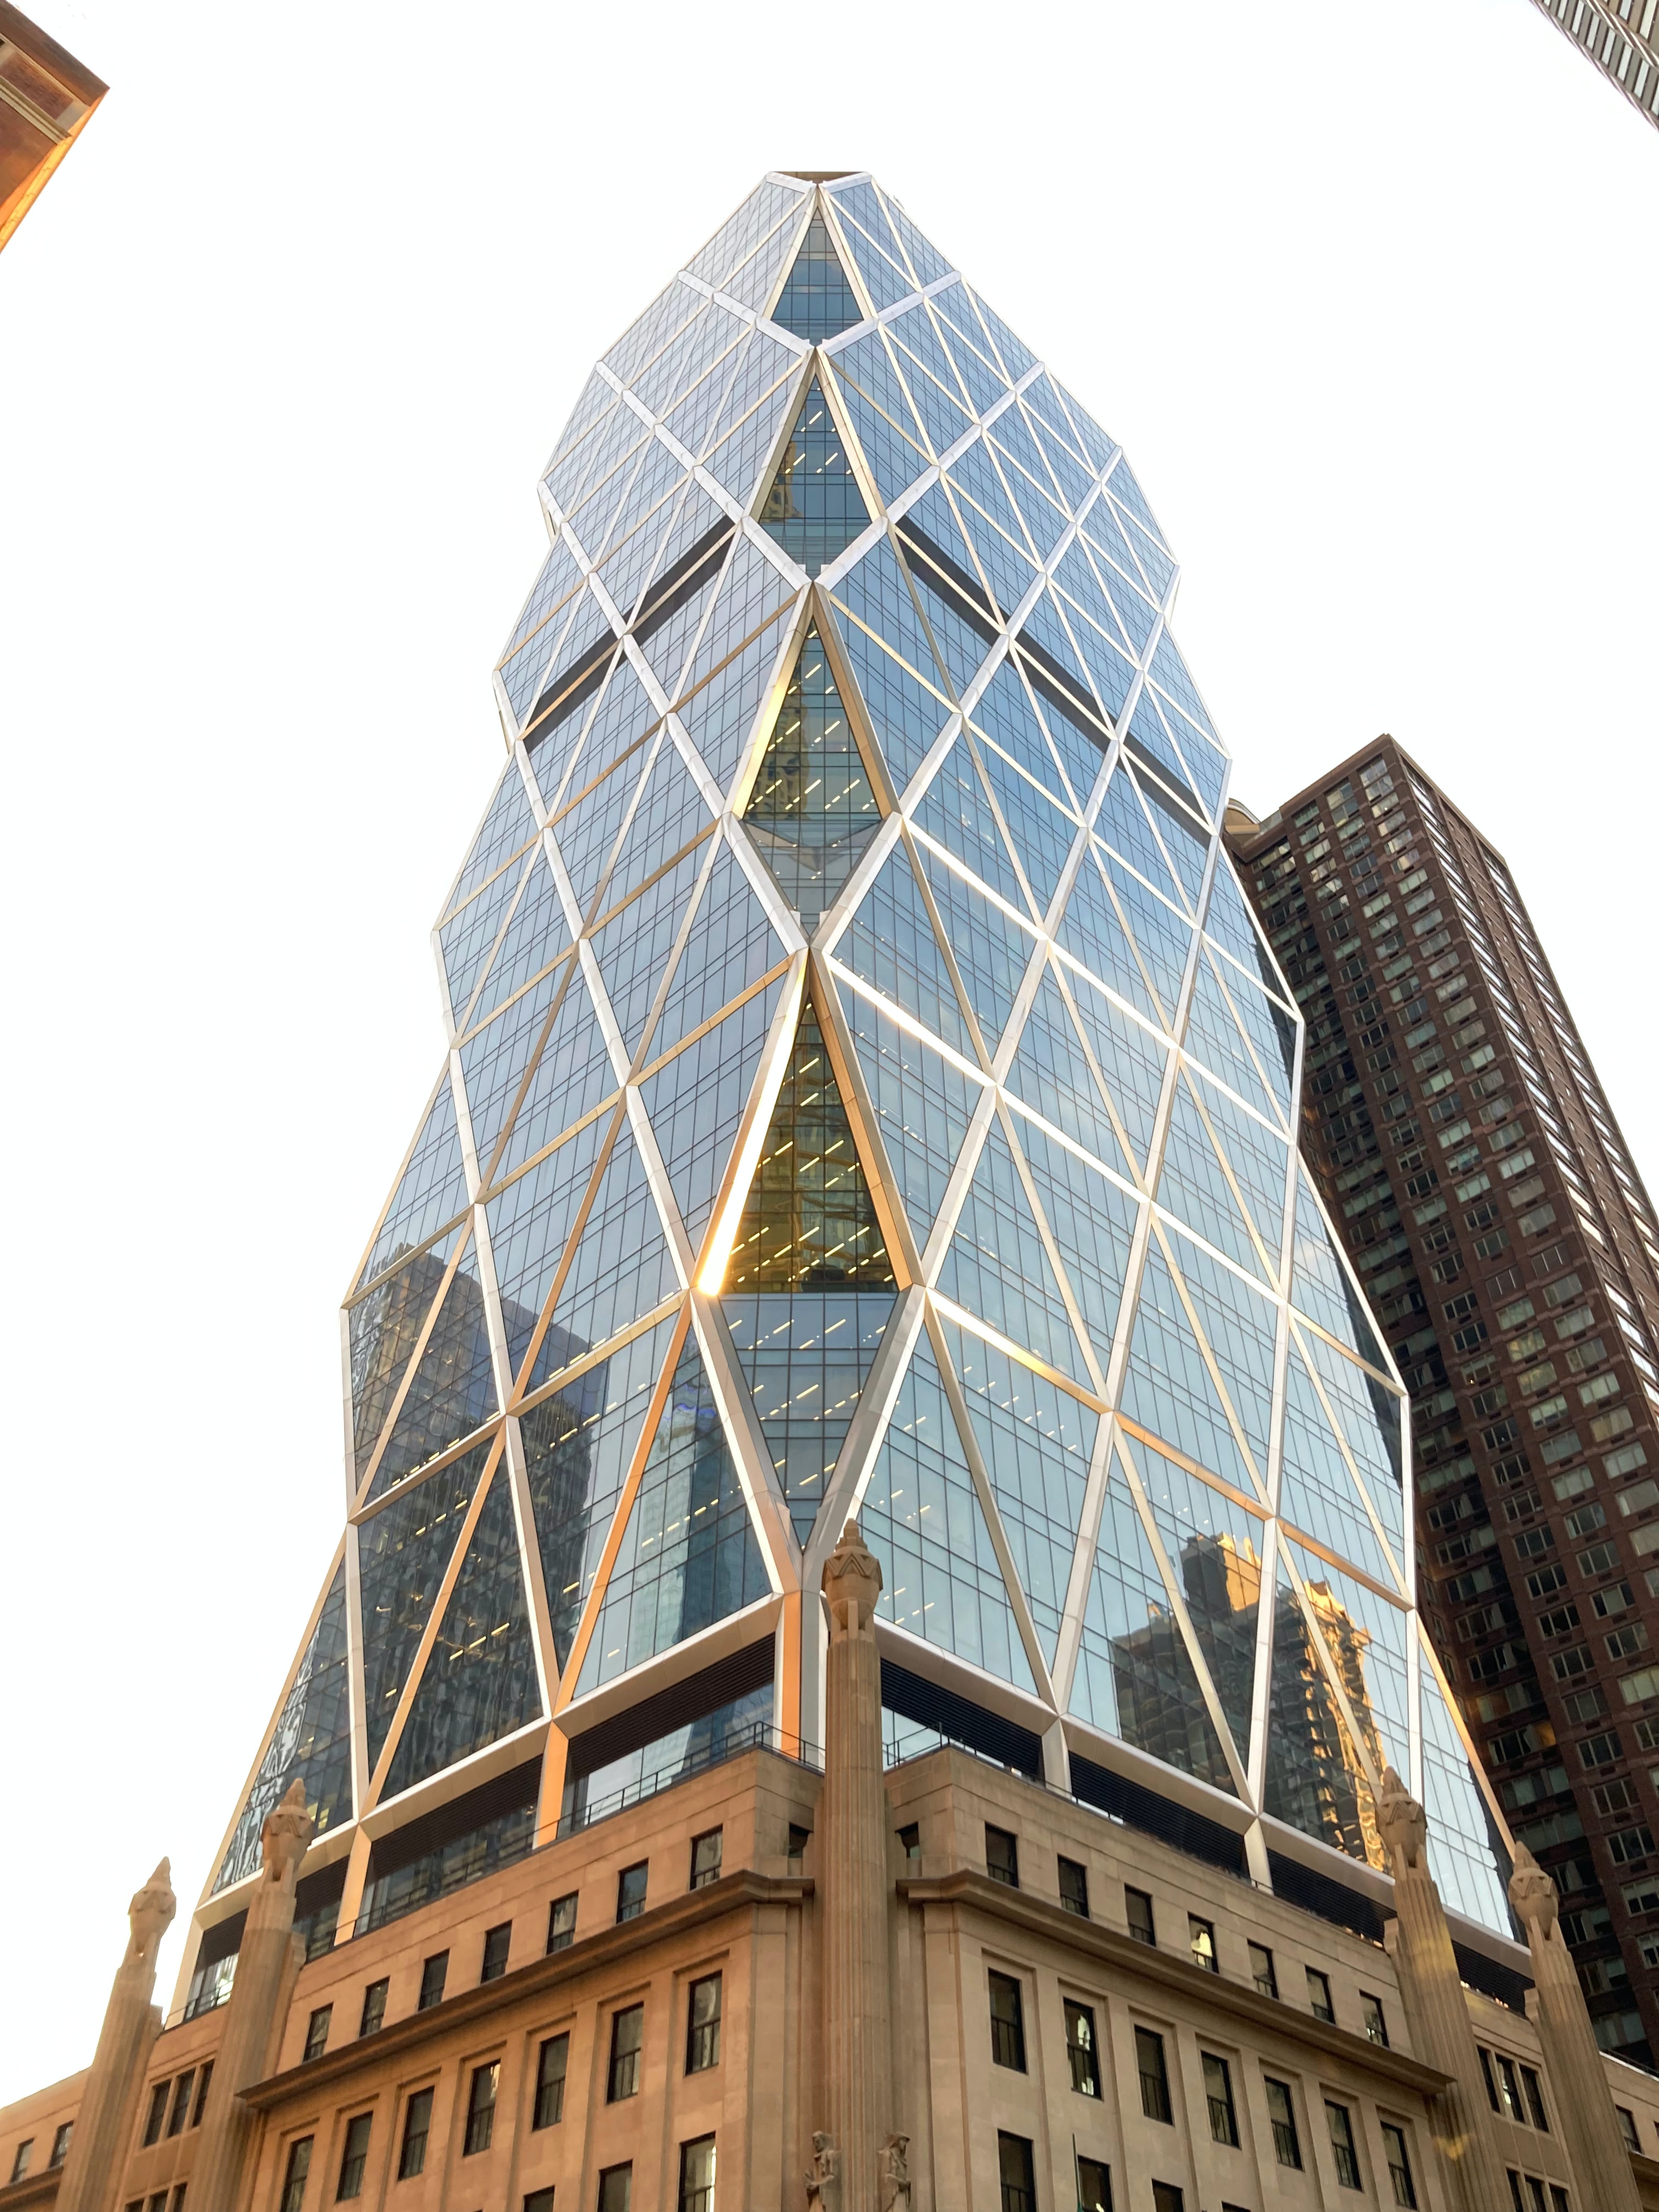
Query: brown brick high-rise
(1505, 1242)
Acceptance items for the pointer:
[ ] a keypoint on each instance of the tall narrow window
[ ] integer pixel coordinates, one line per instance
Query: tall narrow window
(1094, 2185)
(294, 2179)
(1319, 1995)
(181, 2089)
(1400, 2166)
(1007, 2023)
(1340, 2120)
(1017, 2174)
(154, 2120)
(200, 2094)
(1219, 2095)
(551, 2068)
(909, 1838)
(627, 2038)
(702, 2024)
(498, 1942)
(697, 2175)
(418, 2126)
(1083, 2049)
(434, 1972)
(1509, 2089)
(562, 1923)
(1535, 2091)
(60, 2143)
(1281, 2110)
(630, 1892)
(1261, 1970)
(1137, 1910)
(1200, 1939)
(25, 2150)
(706, 1854)
(1002, 1856)
(1074, 1887)
(316, 2030)
(1371, 2012)
(481, 2109)
(1154, 2076)
(616, 2189)
(373, 2008)
(354, 2156)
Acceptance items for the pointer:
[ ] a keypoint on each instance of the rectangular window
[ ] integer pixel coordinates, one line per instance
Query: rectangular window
(498, 1942)
(373, 2008)
(294, 2179)
(1007, 2023)
(550, 2070)
(1017, 2173)
(702, 2024)
(630, 1894)
(1340, 2122)
(627, 2035)
(1370, 2010)
(1400, 2166)
(616, 2188)
(25, 2150)
(1074, 1887)
(200, 2094)
(316, 2031)
(1138, 1909)
(706, 1852)
(354, 2155)
(1167, 2197)
(1534, 2094)
(1002, 1856)
(799, 1835)
(1261, 1970)
(909, 1840)
(1083, 2049)
(1281, 2110)
(1319, 1995)
(434, 1972)
(562, 1923)
(1508, 2088)
(60, 2143)
(1627, 2128)
(154, 2121)
(418, 2126)
(697, 2175)
(181, 2089)
(1094, 2185)
(1219, 2095)
(1154, 2076)
(1200, 1937)
(481, 2109)
(538, 2200)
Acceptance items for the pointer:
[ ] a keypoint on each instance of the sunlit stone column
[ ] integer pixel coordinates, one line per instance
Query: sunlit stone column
(255, 2009)
(1583, 2101)
(131, 2024)
(1437, 2008)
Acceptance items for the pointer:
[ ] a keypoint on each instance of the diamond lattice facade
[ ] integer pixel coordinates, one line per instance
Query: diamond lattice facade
(865, 1093)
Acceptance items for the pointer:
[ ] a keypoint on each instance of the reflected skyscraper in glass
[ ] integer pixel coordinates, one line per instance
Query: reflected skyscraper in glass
(864, 1093)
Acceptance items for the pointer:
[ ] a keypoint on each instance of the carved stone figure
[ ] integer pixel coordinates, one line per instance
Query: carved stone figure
(286, 1834)
(1403, 1825)
(895, 2174)
(823, 2181)
(1533, 1895)
(151, 1915)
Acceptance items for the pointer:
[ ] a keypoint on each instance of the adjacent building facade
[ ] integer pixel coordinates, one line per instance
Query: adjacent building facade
(1511, 1255)
(867, 1106)
(45, 99)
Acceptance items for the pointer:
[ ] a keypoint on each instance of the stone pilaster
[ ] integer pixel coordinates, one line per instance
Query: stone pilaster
(1583, 2101)
(254, 2011)
(857, 2094)
(103, 2125)
(1437, 2009)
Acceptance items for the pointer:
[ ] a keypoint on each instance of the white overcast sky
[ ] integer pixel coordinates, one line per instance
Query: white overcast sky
(1366, 291)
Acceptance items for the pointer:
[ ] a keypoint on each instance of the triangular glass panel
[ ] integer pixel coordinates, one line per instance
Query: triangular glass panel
(401, 1554)
(537, 934)
(992, 951)
(431, 1190)
(806, 1359)
(1259, 1159)
(875, 593)
(1463, 1843)
(964, 628)
(1090, 931)
(620, 1270)
(1150, 742)
(1241, 1329)
(999, 1269)
(729, 946)
(530, 1224)
(696, 1102)
(719, 717)
(383, 1328)
(1365, 1639)
(890, 943)
(634, 947)
(311, 1742)
(670, 814)
(1314, 1779)
(494, 1060)
(623, 715)
(1269, 1028)
(1030, 481)
(1074, 574)
(1041, 835)
(1005, 714)
(577, 1447)
(891, 459)
(815, 508)
(943, 416)
(817, 302)
(1005, 567)
(453, 1389)
(1051, 1073)
(737, 460)
(906, 717)
(507, 827)
(1168, 1389)
(1091, 1220)
(479, 1683)
(1228, 920)
(1215, 1548)
(1121, 822)
(883, 279)
(1074, 479)
(1135, 1677)
(983, 384)
(689, 1555)
(1131, 1058)
(586, 833)
(921, 1517)
(867, 364)
(760, 215)
(923, 1105)
(812, 810)
(955, 809)
(1316, 1490)
(1319, 1284)
(914, 329)
(1157, 930)
(1369, 1416)
(573, 1073)
(467, 939)
(1192, 1187)
(1213, 1038)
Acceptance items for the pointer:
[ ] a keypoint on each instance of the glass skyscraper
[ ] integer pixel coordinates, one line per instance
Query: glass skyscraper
(864, 1092)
